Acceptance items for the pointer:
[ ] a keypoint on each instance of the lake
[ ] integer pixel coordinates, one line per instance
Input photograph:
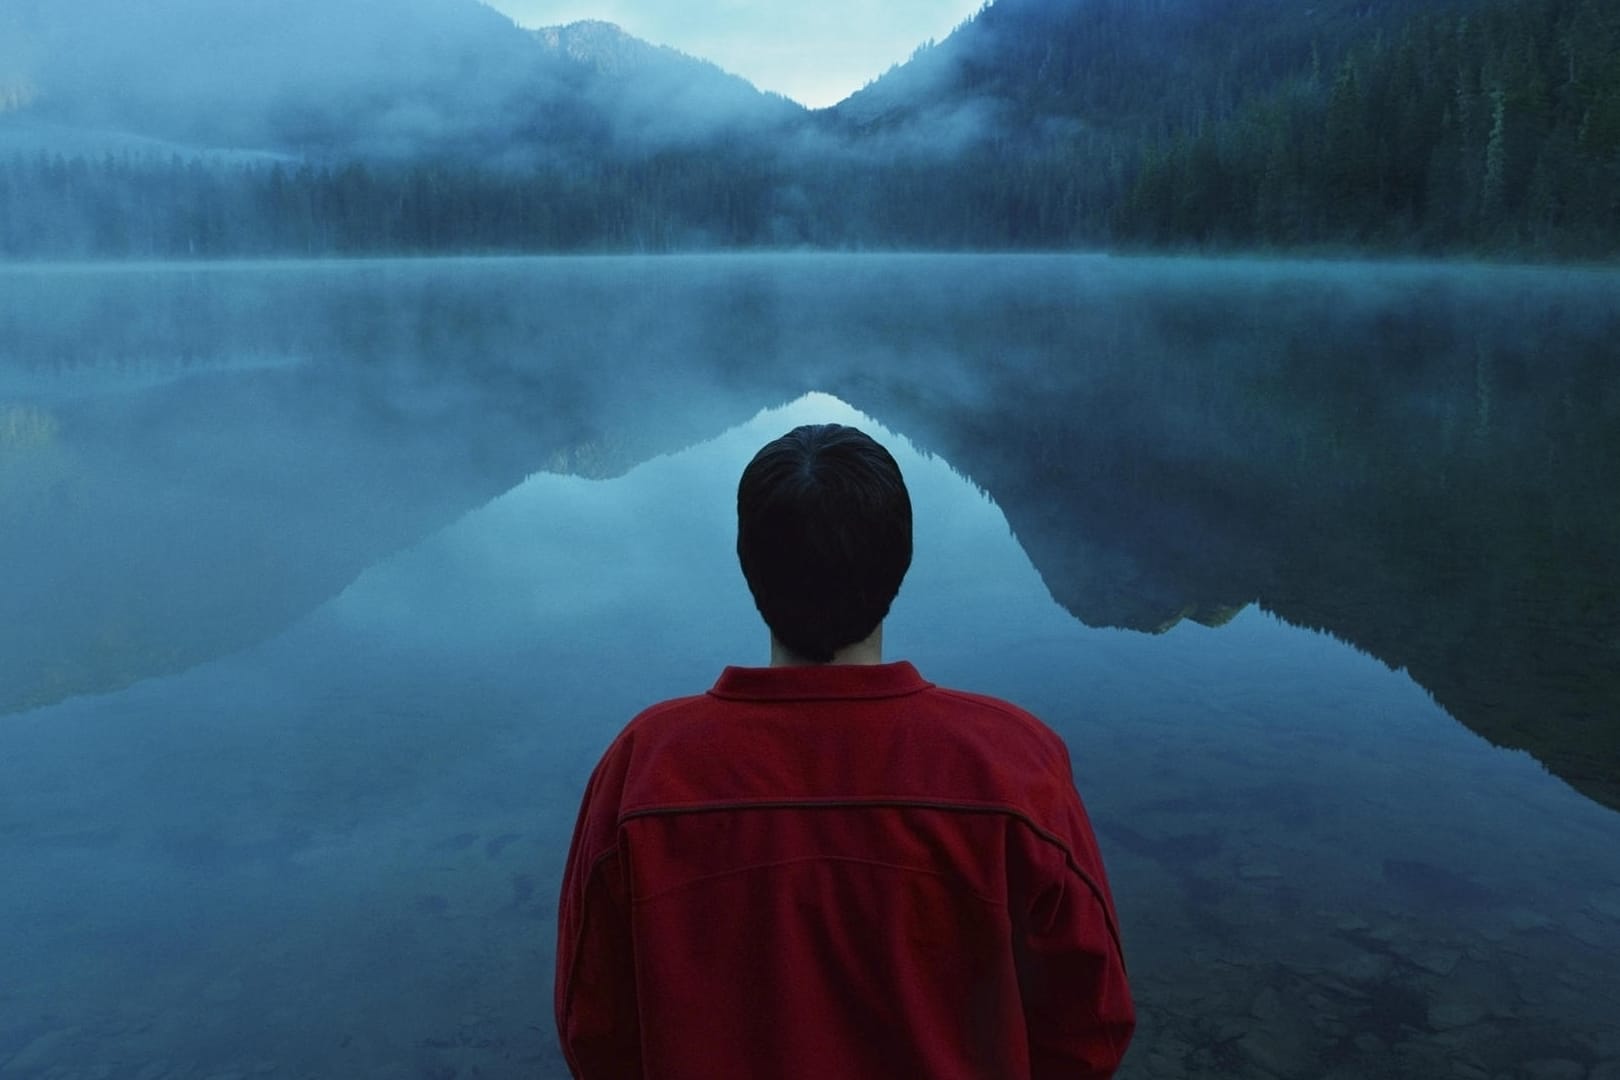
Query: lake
(322, 586)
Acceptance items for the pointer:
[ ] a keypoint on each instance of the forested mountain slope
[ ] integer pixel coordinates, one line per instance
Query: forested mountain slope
(1496, 131)
(1135, 67)
(1439, 125)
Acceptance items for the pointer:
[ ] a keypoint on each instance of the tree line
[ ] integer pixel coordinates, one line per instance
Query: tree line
(149, 207)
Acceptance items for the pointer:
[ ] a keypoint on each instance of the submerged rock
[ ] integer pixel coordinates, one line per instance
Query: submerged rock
(1605, 905)
(1589, 932)
(1454, 1010)
(1440, 961)
(1436, 884)
(1363, 967)
(1279, 1050)
(1369, 1044)
(1525, 921)
(41, 1052)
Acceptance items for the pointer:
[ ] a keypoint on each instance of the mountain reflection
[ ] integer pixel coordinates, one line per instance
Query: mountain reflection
(1416, 459)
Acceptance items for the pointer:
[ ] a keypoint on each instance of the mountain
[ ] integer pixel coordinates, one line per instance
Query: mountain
(369, 79)
(1435, 126)
(368, 126)
(658, 96)
(1136, 67)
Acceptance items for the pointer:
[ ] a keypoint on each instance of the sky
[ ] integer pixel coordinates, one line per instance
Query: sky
(816, 53)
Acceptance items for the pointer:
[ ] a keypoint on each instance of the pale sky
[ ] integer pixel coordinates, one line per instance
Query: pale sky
(816, 52)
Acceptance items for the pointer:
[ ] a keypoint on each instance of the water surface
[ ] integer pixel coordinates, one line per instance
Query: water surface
(325, 585)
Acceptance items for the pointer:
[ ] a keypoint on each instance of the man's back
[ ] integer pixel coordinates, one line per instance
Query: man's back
(837, 871)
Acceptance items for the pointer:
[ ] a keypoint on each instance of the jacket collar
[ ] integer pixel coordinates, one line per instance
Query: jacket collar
(819, 682)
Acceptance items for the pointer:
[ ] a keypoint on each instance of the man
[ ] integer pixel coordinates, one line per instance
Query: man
(830, 868)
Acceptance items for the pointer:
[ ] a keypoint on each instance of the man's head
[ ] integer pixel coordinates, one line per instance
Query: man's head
(824, 536)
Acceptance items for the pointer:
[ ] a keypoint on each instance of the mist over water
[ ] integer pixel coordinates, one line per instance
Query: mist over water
(325, 584)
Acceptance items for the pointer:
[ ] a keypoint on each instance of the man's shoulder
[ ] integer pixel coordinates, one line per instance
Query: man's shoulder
(994, 709)
(670, 708)
(1006, 731)
(671, 714)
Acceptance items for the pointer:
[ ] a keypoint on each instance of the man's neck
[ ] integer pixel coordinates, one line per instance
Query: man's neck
(869, 650)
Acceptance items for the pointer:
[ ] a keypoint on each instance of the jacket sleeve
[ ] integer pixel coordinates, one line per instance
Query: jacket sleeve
(595, 994)
(1077, 1002)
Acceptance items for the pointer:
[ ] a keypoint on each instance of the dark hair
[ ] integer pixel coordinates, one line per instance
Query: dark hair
(824, 536)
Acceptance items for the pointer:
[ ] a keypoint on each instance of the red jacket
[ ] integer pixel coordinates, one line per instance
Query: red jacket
(836, 873)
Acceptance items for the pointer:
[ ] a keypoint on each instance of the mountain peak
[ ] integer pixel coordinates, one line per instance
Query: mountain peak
(657, 90)
(600, 44)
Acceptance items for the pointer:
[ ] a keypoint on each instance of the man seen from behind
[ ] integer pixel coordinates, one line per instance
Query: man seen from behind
(831, 867)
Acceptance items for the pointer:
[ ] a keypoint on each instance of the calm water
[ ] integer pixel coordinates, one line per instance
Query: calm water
(322, 587)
